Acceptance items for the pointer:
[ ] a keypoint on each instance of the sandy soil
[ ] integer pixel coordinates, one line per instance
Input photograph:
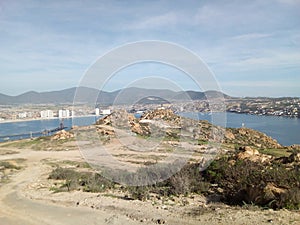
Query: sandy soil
(26, 199)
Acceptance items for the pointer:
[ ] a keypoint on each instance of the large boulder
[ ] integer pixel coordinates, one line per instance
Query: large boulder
(62, 135)
(248, 153)
(141, 129)
(229, 135)
(294, 157)
(106, 120)
(265, 194)
(105, 130)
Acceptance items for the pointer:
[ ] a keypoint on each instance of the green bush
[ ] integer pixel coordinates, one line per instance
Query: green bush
(87, 181)
(8, 165)
(246, 182)
(187, 180)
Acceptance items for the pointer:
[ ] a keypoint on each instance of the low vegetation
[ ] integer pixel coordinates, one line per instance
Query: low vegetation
(7, 167)
(228, 179)
(244, 181)
(7, 152)
(73, 180)
(276, 152)
(42, 144)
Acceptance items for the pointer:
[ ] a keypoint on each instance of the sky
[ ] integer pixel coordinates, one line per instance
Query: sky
(251, 47)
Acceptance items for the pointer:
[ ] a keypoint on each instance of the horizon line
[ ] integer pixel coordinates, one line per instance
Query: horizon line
(115, 90)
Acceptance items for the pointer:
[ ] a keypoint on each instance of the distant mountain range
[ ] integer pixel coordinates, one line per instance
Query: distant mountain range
(124, 96)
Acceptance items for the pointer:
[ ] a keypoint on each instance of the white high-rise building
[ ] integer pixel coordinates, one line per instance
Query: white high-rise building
(47, 114)
(97, 111)
(63, 113)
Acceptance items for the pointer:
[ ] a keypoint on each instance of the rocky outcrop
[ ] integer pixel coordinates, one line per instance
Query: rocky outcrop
(106, 120)
(293, 159)
(62, 135)
(248, 153)
(140, 128)
(265, 194)
(229, 135)
(157, 122)
(105, 130)
(118, 119)
(250, 137)
(164, 115)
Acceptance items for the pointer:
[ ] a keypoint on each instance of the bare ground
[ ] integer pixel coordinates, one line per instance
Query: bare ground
(27, 199)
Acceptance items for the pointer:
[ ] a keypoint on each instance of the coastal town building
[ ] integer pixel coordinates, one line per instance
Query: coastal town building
(97, 111)
(47, 114)
(22, 115)
(105, 111)
(63, 113)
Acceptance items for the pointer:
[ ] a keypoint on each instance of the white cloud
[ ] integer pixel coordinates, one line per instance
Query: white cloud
(251, 36)
(208, 14)
(261, 84)
(167, 19)
(271, 59)
(290, 2)
(272, 87)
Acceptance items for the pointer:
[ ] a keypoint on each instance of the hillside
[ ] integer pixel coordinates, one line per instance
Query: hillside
(89, 95)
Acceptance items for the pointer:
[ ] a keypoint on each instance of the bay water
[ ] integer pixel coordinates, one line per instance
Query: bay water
(35, 128)
(284, 129)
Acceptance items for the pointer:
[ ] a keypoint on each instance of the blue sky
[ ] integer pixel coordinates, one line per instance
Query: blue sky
(252, 47)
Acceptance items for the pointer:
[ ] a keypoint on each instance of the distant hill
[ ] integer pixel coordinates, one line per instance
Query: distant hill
(131, 95)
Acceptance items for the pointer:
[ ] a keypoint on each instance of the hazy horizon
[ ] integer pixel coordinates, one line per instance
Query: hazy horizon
(147, 88)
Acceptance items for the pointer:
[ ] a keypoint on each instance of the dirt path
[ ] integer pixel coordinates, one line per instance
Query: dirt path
(15, 208)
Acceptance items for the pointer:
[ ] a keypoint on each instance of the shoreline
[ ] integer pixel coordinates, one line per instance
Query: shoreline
(37, 119)
(71, 117)
(268, 115)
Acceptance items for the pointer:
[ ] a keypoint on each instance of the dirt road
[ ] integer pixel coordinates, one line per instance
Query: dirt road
(15, 208)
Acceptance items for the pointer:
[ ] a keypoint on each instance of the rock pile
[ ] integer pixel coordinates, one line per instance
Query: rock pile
(158, 123)
(248, 153)
(62, 135)
(105, 130)
(142, 129)
(106, 120)
(293, 159)
(162, 114)
(119, 118)
(265, 193)
(154, 123)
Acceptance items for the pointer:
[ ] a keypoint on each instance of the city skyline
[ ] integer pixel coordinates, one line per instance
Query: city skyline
(251, 47)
